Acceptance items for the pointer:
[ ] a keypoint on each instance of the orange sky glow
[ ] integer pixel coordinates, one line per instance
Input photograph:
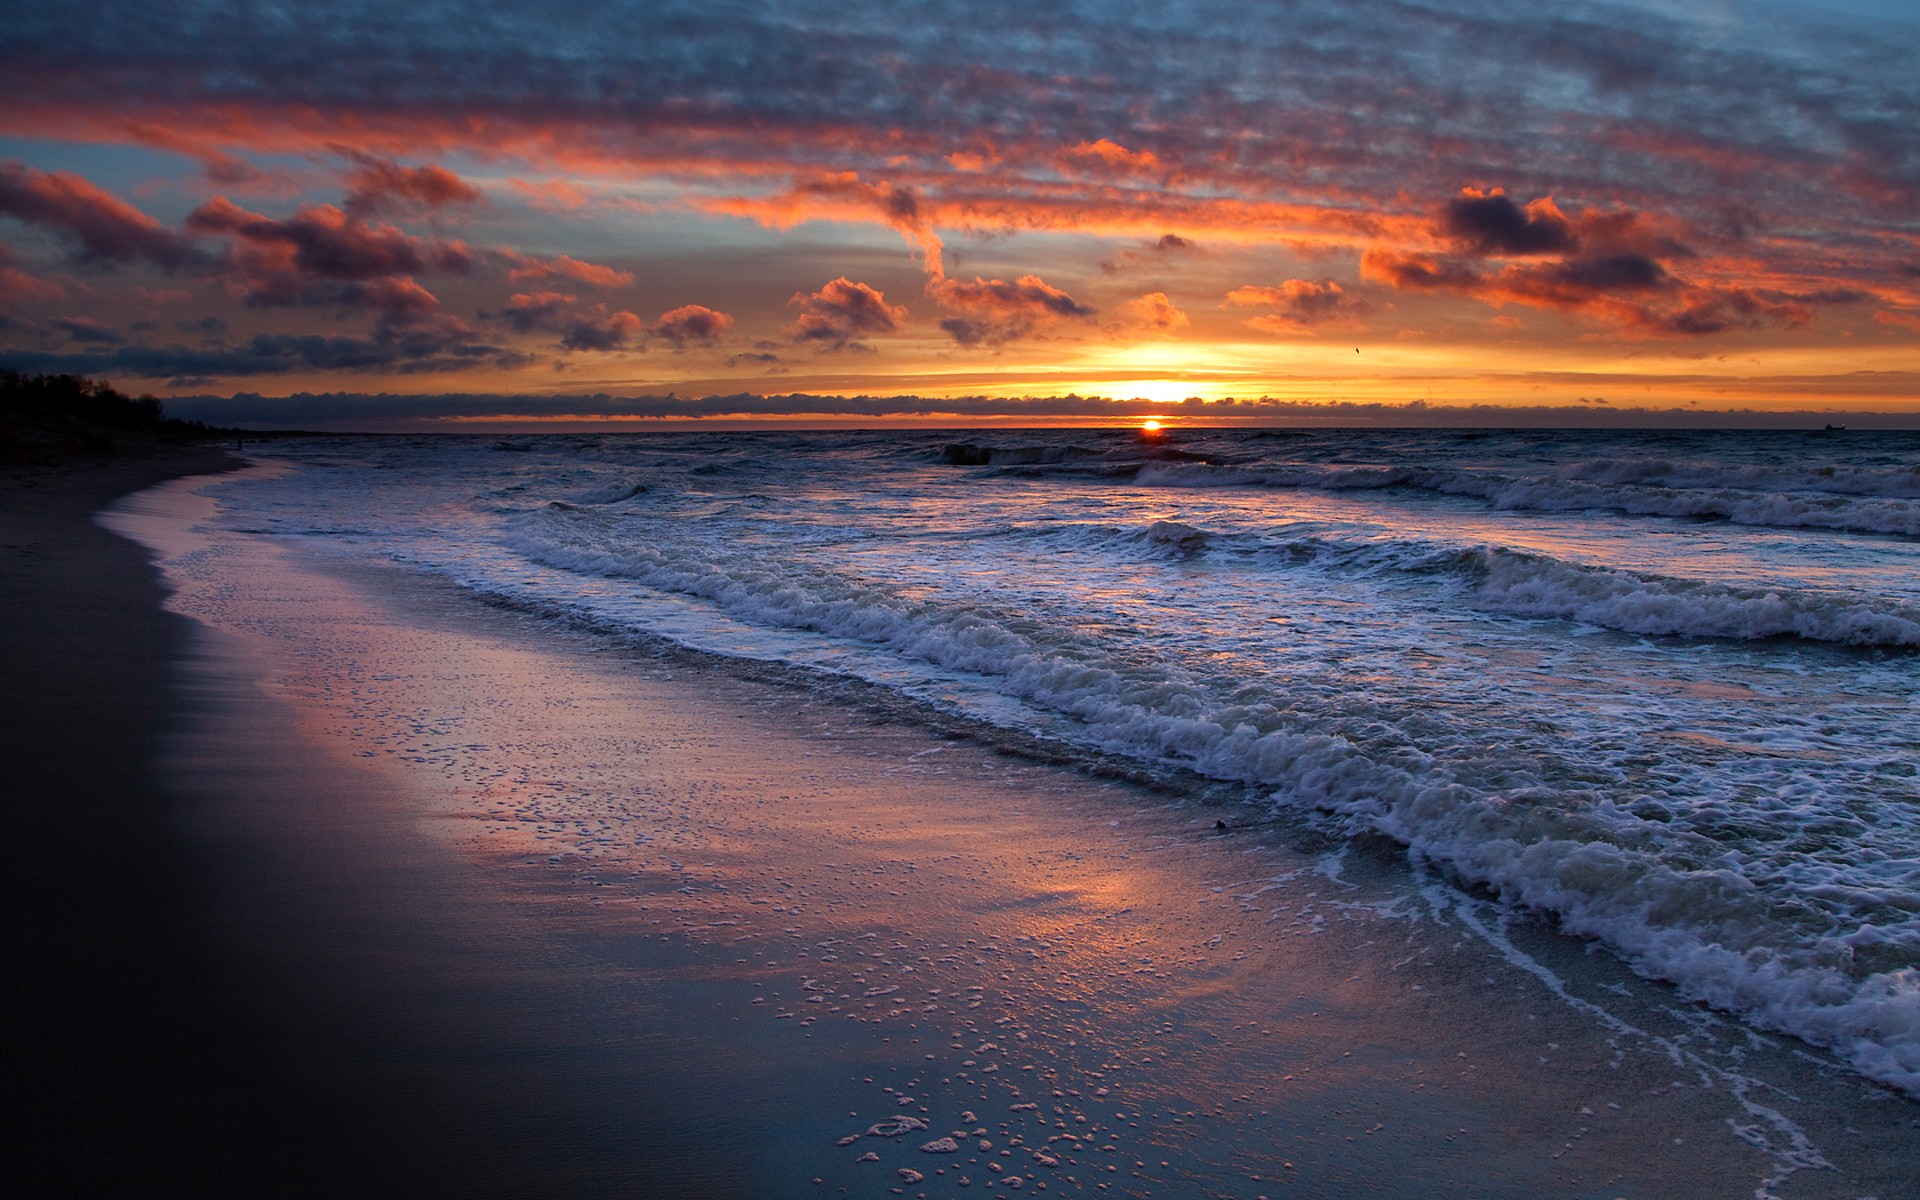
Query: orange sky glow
(348, 216)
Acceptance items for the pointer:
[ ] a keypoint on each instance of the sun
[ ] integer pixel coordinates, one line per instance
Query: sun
(1149, 426)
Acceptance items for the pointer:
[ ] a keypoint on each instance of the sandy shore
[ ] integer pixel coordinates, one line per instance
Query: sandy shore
(356, 882)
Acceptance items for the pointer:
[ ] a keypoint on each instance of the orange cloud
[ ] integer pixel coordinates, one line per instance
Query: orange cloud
(1299, 305)
(1114, 156)
(1154, 311)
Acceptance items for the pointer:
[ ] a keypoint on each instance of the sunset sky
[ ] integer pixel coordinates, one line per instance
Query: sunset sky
(397, 213)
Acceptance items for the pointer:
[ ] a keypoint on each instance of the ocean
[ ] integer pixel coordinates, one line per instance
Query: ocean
(1658, 688)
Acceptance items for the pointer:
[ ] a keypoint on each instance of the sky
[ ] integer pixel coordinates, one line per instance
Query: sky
(434, 215)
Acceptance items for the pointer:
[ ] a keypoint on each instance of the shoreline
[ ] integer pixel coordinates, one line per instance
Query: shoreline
(560, 923)
(123, 1077)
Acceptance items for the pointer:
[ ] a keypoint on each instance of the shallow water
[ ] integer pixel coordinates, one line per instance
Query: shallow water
(1661, 687)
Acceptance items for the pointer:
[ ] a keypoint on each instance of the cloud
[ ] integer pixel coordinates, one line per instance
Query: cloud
(601, 330)
(401, 306)
(324, 242)
(1575, 282)
(1490, 224)
(994, 312)
(1417, 272)
(689, 325)
(376, 410)
(1768, 156)
(1609, 266)
(220, 167)
(1299, 305)
(381, 185)
(1153, 254)
(108, 229)
(1154, 311)
(19, 287)
(276, 354)
(1114, 157)
(597, 329)
(528, 311)
(86, 330)
(843, 194)
(524, 267)
(841, 313)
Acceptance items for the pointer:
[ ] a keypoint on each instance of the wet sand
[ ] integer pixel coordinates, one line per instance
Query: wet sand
(549, 917)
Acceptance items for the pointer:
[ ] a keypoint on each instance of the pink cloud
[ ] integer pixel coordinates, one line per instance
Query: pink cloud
(18, 287)
(691, 324)
(842, 312)
(995, 312)
(325, 242)
(108, 229)
(381, 185)
(527, 311)
(528, 267)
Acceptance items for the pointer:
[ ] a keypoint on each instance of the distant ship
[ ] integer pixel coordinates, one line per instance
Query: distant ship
(1834, 428)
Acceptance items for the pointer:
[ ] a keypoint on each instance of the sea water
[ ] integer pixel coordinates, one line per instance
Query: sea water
(1658, 687)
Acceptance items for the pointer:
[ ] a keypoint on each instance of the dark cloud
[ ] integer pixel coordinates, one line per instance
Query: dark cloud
(271, 354)
(995, 312)
(380, 185)
(601, 331)
(528, 311)
(108, 229)
(1326, 104)
(773, 363)
(838, 315)
(1609, 266)
(1569, 283)
(89, 331)
(322, 242)
(348, 410)
(597, 329)
(1491, 224)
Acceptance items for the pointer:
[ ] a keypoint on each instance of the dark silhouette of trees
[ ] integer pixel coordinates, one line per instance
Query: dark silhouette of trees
(49, 418)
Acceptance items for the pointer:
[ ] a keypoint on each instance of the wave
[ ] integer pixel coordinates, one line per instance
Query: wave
(1889, 513)
(612, 493)
(1569, 849)
(1518, 583)
(1893, 481)
(1539, 586)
